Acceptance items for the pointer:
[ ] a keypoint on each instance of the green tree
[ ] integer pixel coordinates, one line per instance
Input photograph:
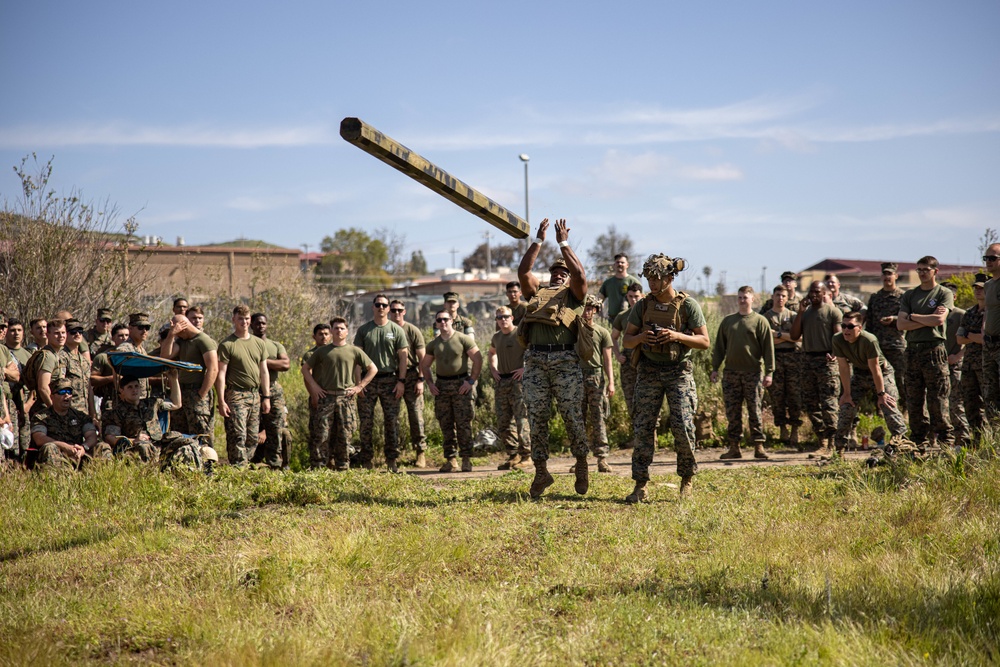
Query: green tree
(418, 265)
(606, 246)
(354, 261)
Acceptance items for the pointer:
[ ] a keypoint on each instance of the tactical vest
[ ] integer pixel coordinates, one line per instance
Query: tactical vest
(549, 307)
(667, 316)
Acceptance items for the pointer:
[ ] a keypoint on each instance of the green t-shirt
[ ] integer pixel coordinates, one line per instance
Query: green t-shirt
(602, 340)
(782, 322)
(952, 323)
(5, 358)
(382, 344)
(691, 318)
(451, 357)
(510, 354)
(543, 334)
(860, 351)
(743, 342)
(193, 351)
(614, 291)
(918, 301)
(332, 366)
(620, 320)
(817, 327)
(242, 357)
(274, 350)
(415, 342)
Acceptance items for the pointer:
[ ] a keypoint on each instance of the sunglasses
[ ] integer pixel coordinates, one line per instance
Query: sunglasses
(503, 317)
(924, 270)
(849, 327)
(143, 327)
(990, 258)
(442, 319)
(380, 305)
(106, 320)
(397, 310)
(76, 332)
(65, 392)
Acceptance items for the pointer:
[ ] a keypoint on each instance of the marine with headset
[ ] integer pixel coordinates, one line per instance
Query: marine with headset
(662, 330)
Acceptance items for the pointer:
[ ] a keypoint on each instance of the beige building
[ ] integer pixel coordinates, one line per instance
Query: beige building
(202, 272)
(862, 277)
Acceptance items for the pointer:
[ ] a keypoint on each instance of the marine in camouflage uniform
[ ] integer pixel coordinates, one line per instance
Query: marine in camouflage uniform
(598, 385)
(132, 427)
(506, 360)
(790, 281)
(970, 333)
(956, 352)
(413, 394)
(927, 376)
(197, 414)
(51, 362)
(815, 324)
(843, 302)
(785, 390)
(450, 353)
(328, 373)
(243, 387)
(18, 394)
(98, 337)
(662, 330)
(551, 364)
(991, 335)
(855, 351)
(883, 307)
(744, 341)
(626, 371)
(78, 367)
(61, 423)
(272, 423)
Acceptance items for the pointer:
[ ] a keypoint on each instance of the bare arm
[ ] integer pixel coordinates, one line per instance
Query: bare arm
(491, 356)
(265, 388)
(425, 370)
(281, 363)
(529, 283)
(42, 390)
(844, 368)
(609, 370)
(220, 389)
(11, 373)
(211, 359)
(577, 276)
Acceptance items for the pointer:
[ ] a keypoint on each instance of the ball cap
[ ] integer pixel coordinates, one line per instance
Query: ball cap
(890, 267)
(138, 318)
(451, 296)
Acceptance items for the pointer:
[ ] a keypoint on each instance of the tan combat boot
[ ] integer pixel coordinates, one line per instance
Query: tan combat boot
(509, 463)
(542, 480)
(824, 449)
(421, 461)
(687, 486)
(466, 464)
(734, 452)
(451, 465)
(602, 464)
(582, 475)
(784, 433)
(638, 494)
(793, 439)
(523, 462)
(759, 453)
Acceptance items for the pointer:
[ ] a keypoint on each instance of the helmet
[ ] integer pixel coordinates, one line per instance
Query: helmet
(208, 454)
(661, 266)
(593, 300)
(560, 263)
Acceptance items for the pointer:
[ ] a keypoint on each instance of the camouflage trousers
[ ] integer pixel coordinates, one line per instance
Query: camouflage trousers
(50, 456)
(197, 414)
(956, 406)
(676, 383)
(512, 417)
(242, 425)
(927, 379)
(179, 450)
(896, 356)
(19, 429)
(786, 389)
(549, 375)
(991, 379)
(739, 387)
(272, 424)
(415, 411)
(454, 412)
(595, 411)
(628, 377)
(136, 448)
(820, 393)
(862, 386)
(333, 425)
(383, 390)
(972, 392)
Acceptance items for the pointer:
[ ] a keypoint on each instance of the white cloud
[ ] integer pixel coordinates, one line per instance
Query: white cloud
(128, 134)
(722, 172)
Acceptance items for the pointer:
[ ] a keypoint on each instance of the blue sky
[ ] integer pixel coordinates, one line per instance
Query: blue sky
(737, 135)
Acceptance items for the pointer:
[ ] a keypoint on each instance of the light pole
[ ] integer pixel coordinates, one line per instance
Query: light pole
(524, 158)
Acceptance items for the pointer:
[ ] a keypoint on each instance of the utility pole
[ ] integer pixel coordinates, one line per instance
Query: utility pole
(763, 280)
(454, 251)
(489, 259)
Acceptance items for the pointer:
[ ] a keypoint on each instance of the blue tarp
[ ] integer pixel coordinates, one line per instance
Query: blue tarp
(142, 366)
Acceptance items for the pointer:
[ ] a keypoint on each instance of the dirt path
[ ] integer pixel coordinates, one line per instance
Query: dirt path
(664, 463)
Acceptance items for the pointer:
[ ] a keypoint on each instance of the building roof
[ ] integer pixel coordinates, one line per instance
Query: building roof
(872, 267)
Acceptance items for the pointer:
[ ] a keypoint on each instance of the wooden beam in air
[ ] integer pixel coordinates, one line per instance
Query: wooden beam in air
(393, 153)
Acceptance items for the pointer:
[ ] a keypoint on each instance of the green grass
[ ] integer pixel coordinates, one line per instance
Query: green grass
(834, 565)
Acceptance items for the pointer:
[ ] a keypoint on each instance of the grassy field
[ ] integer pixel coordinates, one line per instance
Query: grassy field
(793, 565)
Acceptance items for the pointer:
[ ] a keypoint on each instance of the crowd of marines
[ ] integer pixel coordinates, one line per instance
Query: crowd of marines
(931, 370)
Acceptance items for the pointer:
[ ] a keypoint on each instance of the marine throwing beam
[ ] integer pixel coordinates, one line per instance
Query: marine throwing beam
(371, 141)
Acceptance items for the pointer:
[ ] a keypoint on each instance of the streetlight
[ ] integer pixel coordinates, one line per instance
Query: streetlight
(524, 158)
